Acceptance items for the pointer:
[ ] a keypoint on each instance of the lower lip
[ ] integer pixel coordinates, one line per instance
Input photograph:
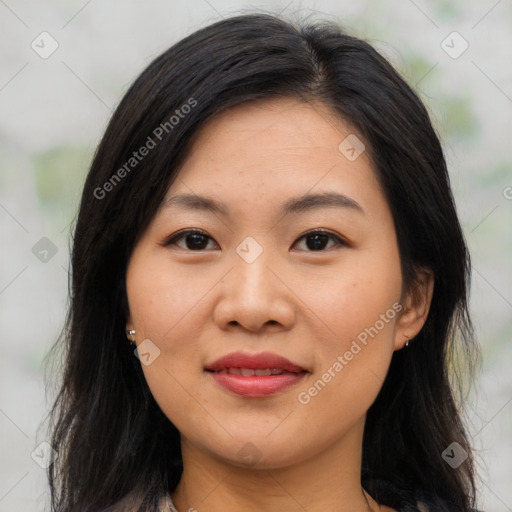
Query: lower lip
(255, 386)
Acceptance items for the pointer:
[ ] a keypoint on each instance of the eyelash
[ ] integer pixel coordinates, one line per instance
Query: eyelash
(182, 234)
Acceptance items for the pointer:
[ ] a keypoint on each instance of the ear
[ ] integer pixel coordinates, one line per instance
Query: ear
(416, 305)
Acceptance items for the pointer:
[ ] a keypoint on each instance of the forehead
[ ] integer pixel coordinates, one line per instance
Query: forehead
(283, 125)
(262, 151)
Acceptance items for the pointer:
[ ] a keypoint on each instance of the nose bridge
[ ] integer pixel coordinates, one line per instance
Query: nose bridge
(250, 262)
(253, 296)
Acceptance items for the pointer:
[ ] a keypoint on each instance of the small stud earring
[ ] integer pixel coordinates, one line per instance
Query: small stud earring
(131, 332)
(407, 342)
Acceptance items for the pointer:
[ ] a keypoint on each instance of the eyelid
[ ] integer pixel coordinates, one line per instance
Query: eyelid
(340, 241)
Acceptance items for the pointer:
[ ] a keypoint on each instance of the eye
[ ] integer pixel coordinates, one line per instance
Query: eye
(317, 240)
(197, 240)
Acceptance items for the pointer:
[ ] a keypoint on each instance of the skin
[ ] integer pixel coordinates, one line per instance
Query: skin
(304, 304)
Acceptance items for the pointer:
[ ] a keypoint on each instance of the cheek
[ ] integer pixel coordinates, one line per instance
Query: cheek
(357, 311)
(166, 303)
(353, 357)
(169, 308)
(355, 300)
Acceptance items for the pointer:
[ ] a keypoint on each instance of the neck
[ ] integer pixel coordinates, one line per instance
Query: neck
(330, 480)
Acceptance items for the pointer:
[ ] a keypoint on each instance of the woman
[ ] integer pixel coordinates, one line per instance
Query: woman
(269, 282)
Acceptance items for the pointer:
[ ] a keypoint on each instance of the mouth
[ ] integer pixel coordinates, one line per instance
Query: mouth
(249, 372)
(257, 375)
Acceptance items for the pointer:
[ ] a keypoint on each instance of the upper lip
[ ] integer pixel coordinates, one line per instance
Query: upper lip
(254, 361)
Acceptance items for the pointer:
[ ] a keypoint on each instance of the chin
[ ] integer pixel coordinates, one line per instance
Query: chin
(261, 453)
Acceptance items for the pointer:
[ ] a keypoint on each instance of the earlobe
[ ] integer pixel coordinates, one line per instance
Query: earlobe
(415, 310)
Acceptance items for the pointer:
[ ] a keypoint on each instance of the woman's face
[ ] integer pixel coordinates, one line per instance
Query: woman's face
(256, 284)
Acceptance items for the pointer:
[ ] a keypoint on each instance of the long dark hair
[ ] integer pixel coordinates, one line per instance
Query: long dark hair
(114, 443)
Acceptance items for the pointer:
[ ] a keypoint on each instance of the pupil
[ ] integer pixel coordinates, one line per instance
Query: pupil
(198, 241)
(318, 241)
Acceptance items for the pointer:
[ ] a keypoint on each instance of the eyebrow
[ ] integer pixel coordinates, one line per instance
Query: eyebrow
(299, 204)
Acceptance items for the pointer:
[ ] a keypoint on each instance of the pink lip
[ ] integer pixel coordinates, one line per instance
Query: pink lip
(255, 385)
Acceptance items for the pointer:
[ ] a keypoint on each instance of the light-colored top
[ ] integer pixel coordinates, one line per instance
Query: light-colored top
(168, 506)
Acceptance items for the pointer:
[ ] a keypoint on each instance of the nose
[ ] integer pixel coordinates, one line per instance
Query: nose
(255, 297)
